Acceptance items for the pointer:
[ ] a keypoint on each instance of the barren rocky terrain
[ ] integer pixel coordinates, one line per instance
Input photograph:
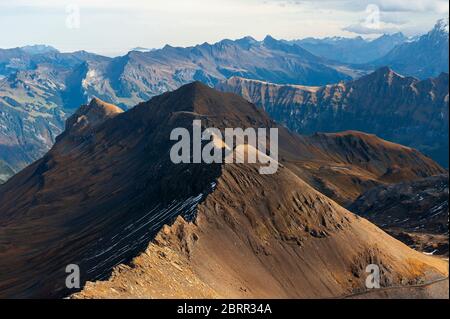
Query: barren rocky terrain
(108, 198)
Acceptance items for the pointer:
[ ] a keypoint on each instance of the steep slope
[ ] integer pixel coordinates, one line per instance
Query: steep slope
(414, 212)
(344, 165)
(423, 58)
(400, 109)
(108, 187)
(352, 50)
(280, 239)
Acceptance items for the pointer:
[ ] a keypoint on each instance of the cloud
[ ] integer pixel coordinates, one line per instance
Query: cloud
(153, 23)
(438, 6)
(435, 6)
(361, 28)
(391, 16)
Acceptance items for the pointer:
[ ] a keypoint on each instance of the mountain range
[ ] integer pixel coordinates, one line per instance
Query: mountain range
(402, 109)
(352, 50)
(41, 87)
(108, 198)
(425, 57)
(420, 56)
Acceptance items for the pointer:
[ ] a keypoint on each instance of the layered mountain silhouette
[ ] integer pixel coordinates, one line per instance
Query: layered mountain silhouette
(397, 108)
(40, 87)
(108, 198)
(352, 50)
(424, 57)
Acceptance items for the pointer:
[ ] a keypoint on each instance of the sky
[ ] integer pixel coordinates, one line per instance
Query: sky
(113, 27)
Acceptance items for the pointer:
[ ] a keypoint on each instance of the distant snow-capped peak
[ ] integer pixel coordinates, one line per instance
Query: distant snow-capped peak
(442, 25)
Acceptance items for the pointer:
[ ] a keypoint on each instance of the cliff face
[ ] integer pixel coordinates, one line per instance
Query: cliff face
(400, 109)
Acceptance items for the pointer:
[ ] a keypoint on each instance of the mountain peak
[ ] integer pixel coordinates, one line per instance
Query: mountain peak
(246, 41)
(442, 25)
(269, 39)
(39, 49)
(398, 36)
(197, 100)
(87, 117)
(383, 70)
(97, 104)
(383, 74)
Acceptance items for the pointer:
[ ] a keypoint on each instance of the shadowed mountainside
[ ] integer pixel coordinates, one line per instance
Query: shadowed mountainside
(107, 188)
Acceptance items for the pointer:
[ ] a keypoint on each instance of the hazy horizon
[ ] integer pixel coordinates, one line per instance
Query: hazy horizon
(113, 28)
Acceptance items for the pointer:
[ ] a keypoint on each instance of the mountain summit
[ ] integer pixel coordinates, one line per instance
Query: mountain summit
(90, 116)
(423, 58)
(198, 230)
(442, 26)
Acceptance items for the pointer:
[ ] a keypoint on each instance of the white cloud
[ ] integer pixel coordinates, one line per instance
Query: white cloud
(438, 6)
(361, 28)
(117, 25)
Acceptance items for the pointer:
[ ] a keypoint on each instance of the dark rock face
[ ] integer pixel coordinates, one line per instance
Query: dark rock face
(414, 212)
(97, 197)
(400, 109)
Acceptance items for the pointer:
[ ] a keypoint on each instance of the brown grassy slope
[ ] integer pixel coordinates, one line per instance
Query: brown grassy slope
(344, 165)
(267, 236)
